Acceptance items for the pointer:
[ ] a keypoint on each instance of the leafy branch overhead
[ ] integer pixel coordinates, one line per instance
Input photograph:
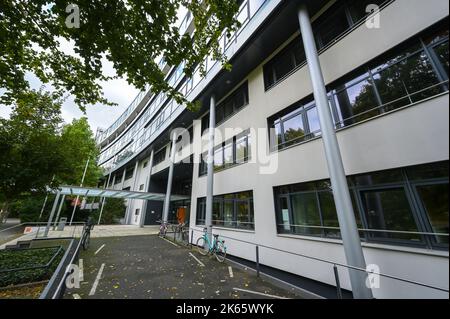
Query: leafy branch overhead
(131, 34)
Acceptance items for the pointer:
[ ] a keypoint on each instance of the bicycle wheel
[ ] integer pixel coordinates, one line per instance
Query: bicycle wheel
(201, 246)
(220, 251)
(86, 240)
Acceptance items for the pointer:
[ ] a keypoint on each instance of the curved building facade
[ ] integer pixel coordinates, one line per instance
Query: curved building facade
(386, 77)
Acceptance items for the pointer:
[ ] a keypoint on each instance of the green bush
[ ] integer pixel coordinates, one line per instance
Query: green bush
(24, 258)
(113, 211)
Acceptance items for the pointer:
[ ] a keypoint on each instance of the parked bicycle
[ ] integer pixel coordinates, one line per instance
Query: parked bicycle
(163, 228)
(180, 229)
(217, 247)
(86, 237)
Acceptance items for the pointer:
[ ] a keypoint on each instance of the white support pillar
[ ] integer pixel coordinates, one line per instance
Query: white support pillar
(210, 168)
(52, 213)
(131, 201)
(165, 215)
(59, 210)
(103, 199)
(122, 181)
(81, 185)
(341, 193)
(147, 186)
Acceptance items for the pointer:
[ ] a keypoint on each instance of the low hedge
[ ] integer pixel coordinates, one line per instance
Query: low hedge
(11, 259)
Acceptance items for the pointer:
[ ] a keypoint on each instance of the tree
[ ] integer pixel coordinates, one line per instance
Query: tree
(29, 146)
(77, 145)
(37, 151)
(132, 34)
(112, 211)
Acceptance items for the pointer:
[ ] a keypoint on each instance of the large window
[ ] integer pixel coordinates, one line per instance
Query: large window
(231, 211)
(402, 206)
(294, 126)
(233, 152)
(129, 173)
(338, 19)
(160, 156)
(228, 107)
(412, 72)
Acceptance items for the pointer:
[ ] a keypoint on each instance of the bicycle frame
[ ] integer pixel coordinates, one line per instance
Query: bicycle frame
(212, 247)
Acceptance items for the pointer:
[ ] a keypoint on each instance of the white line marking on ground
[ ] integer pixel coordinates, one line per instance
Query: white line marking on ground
(76, 296)
(81, 270)
(101, 247)
(230, 270)
(259, 293)
(171, 242)
(97, 279)
(198, 260)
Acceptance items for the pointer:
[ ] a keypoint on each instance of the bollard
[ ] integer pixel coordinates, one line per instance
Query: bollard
(192, 237)
(338, 283)
(257, 261)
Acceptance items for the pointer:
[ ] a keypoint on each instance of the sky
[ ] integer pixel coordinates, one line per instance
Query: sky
(99, 116)
(117, 91)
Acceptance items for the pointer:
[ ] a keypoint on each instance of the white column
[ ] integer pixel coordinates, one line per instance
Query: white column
(52, 213)
(59, 210)
(346, 216)
(131, 201)
(169, 179)
(210, 167)
(148, 180)
(103, 199)
(81, 185)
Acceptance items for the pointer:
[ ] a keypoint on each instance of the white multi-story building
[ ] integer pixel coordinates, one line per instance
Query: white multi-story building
(386, 76)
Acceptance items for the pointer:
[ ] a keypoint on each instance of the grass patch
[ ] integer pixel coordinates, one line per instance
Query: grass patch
(12, 262)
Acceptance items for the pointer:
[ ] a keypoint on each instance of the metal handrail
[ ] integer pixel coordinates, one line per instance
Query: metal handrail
(333, 263)
(33, 224)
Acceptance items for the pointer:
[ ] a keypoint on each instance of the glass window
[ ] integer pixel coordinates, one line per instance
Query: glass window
(243, 214)
(232, 104)
(228, 212)
(228, 155)
(218, 159)
(357, 102)
(434, 199)
(201, 210)
(203, 168)
(331, 25)
(313, 122)
(405, 81)
(441, 51)
(389, 210)
(305, 212)
(293, 130)
(329, 215)
(284, 218)
(231, 210)
(241, 150)
(217, 212)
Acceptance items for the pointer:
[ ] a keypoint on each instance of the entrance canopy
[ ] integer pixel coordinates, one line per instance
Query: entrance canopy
(111, 193)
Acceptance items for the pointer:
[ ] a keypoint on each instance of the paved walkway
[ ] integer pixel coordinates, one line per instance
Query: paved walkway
(10, 230)
(97, 232)
(144, 267)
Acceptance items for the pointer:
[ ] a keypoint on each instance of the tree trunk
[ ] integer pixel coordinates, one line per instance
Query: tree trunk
(4, 212)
